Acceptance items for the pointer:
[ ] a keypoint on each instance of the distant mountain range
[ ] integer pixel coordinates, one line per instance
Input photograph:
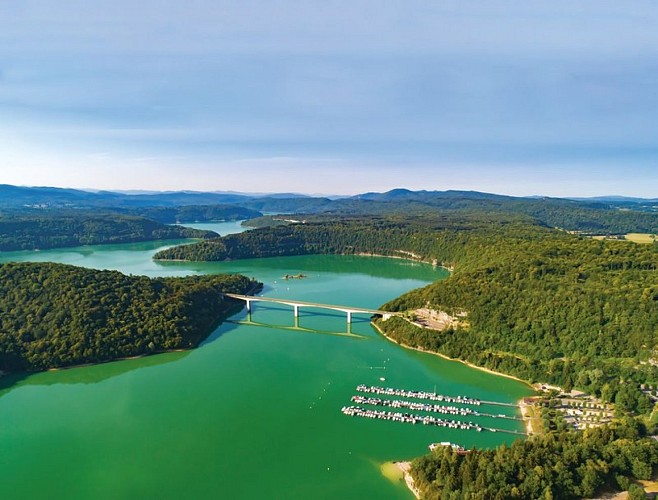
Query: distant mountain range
(618, 199)
(408, 195)
(50, 197)
(601, 215)
(44, 197)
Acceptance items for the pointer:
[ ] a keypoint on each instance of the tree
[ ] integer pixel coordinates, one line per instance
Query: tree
(636, 492)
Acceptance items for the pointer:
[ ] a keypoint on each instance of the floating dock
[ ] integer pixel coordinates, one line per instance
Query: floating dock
(432, 396)
(412, 418)
(409, 418)
(434, 408)
(398, 403)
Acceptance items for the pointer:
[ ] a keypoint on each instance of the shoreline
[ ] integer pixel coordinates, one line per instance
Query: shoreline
(360, 254)
(409, 258)
(529, 426)
(467, 363)
(408, 479)
(124, 358)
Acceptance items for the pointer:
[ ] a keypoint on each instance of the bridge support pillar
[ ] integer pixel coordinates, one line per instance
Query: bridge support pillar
(248, 305)
(349, 317)
(295, 311)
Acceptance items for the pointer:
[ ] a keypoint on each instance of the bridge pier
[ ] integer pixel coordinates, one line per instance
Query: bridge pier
(248, 305)
(295, 310)
(349, 317)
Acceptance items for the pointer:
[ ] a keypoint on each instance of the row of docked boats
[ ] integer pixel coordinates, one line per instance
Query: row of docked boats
(416, 406)
(357, 411)
(432, 396)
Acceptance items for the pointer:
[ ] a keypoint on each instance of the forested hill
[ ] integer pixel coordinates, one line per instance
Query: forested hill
(568, 311)
(195, 213)
(54, 315)
(40, 229)
(586, 217)
(342, 237)
(14, 197)
(541, 304)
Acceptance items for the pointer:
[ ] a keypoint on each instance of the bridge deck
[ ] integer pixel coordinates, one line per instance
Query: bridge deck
(290, 302)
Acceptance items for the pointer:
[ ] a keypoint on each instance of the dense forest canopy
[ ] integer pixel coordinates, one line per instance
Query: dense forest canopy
(557, 465)
(584, 216)
(577, 216)
(42, 229)
(54, 315)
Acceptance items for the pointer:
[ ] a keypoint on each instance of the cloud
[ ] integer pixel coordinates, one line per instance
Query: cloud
(318, 85)
(366, 26)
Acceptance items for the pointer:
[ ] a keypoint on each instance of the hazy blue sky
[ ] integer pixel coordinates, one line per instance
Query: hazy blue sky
(518, 97)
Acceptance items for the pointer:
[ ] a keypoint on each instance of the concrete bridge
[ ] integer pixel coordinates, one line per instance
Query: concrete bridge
(296, 304)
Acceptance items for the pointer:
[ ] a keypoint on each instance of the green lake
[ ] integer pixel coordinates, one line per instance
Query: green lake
(254, 412)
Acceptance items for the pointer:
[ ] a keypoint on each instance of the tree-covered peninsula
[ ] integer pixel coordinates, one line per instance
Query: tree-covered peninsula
(195, 213)
(43, 229)
(55, 315)
(560, 465)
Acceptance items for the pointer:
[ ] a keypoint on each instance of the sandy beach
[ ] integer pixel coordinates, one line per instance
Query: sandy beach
(405, 467)
(529, 427)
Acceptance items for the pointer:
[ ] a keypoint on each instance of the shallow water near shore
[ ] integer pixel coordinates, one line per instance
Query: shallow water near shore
(254, 411)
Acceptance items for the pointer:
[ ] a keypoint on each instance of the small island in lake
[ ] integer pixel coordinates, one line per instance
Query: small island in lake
(294, 276)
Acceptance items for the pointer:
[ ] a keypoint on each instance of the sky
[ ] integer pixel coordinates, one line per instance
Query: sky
(519, 97)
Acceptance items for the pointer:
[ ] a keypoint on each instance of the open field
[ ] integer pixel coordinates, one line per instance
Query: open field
(641, 237)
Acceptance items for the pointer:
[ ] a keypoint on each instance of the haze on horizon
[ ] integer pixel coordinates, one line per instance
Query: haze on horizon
(511, 97)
